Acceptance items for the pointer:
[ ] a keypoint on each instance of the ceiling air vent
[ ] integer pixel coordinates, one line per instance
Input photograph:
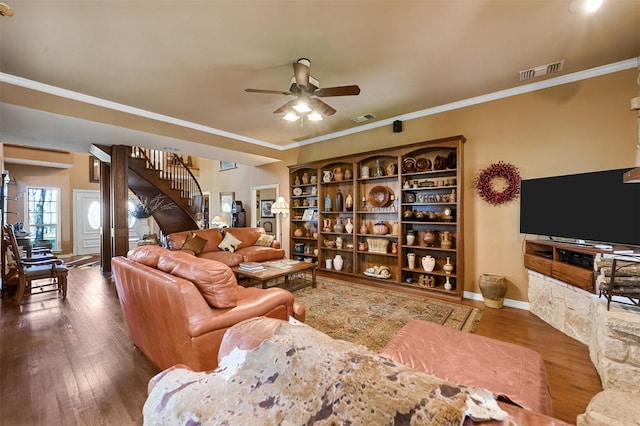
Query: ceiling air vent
(541, 70)
(363, 118)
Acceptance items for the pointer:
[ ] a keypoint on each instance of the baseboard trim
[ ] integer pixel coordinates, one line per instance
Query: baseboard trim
(517, 304)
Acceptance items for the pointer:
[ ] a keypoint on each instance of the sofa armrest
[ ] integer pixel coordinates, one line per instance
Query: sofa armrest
(299, 311)
(276, 244)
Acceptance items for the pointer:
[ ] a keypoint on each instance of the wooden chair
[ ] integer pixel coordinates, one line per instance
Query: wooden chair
(22, 272)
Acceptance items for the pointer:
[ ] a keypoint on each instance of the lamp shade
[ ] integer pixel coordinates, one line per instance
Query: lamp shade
(280, 207)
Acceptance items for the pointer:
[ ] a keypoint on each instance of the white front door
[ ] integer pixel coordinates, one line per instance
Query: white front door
(86, 222)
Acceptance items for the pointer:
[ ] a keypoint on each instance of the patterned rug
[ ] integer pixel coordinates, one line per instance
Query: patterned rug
(371, 316)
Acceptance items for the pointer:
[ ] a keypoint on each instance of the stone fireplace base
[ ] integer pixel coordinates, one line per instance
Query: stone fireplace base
(613, 338)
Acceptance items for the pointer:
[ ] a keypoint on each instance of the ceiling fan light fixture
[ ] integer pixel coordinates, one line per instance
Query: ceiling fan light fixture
(301, 107)
(584, 7)
(314, 116)
(291, 116)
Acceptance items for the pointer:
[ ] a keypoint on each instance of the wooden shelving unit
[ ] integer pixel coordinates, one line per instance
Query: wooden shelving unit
(386, 190)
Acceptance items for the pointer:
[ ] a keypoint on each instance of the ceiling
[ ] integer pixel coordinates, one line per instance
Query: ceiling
(172, 74)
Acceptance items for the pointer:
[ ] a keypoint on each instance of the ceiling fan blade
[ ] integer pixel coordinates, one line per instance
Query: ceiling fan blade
(338, 91)
(301, 72)
(321, 107)
(285, 107)
(270, 92)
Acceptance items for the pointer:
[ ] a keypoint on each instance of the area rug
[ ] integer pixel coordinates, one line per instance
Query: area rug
(371, 316)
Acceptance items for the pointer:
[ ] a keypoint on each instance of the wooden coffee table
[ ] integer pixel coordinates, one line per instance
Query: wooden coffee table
(293, 271)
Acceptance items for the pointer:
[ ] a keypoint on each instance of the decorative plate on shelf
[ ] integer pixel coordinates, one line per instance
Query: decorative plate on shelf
(423, 164)
(451, 160)
(379, 196)
(409, 164)
(297, 191)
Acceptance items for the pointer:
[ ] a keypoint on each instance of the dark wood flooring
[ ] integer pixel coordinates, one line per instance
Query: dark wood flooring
(70, 361)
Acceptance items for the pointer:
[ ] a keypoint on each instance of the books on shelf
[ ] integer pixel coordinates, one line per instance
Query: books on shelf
(251, 266)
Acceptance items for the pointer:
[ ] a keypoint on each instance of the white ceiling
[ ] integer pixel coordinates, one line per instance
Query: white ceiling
(173, 73)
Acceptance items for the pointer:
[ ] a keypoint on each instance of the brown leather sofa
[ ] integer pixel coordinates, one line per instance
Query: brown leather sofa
(246, 251)
(178, 307)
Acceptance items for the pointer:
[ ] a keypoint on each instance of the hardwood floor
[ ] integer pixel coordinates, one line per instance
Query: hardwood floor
(71, 362)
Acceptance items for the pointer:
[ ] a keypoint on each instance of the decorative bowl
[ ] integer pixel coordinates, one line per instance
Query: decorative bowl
(379, 196)
(409, 164)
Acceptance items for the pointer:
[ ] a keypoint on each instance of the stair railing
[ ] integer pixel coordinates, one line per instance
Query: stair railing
(173, 168)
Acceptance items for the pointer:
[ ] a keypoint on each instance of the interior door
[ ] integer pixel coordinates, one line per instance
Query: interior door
(86, 222)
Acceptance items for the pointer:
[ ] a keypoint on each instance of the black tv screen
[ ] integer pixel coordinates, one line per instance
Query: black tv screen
(595, 206)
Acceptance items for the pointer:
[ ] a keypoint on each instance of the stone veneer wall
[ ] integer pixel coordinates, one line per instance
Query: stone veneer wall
(613, 338)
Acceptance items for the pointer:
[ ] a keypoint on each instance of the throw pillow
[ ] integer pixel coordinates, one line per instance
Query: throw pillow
(264, 240)
(229, 243)
(215, 280)
(194, 243)
(147, 255)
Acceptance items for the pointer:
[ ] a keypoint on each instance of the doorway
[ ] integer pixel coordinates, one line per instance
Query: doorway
(260, 195)
(86, 222)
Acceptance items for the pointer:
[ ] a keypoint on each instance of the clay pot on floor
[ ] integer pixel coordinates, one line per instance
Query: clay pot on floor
(493, 288)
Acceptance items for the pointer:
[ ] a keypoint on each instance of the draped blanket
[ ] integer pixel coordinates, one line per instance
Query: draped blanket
(301, 376)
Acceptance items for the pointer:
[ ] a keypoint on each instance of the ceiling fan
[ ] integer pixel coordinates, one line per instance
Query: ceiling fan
(307, 90)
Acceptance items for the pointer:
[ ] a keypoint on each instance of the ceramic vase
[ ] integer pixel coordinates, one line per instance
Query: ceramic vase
(364, 229)
(411, 260)
(493, 288)
(348, 203)
(339, 243)
(328, 203)
(429, 237)
(338, 227)
(448, 267)
(446, 242)
(428, 263)
(349, 226)
(339, 201)
(328, 263)
(411, 237)
(338, 262)
(338, 174)
(305, 178)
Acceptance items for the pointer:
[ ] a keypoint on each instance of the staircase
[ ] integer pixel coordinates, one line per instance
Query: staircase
(164, 178)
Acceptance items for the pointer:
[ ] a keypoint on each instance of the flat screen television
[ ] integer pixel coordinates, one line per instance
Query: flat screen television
(595, 207)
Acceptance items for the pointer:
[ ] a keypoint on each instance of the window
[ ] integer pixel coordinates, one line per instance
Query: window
(43, 215)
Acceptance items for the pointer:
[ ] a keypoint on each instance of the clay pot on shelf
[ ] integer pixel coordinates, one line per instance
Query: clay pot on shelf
(428, 263)
(391, 169)
(348, 174)
(298, 232)
(411, 260)
(338, 174)
(429, 237)
(298, 248)
(362, 246)
(446, 242)
(305, 178)
(338, 262)
(349, 225)
(410, 237)
(380, 228)
(338, 227)
(364, 229)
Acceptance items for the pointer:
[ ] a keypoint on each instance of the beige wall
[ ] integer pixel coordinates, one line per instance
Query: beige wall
(577, 127)
(68, 179)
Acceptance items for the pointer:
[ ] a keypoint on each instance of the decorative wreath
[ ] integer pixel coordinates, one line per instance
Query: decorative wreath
(484, 182)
